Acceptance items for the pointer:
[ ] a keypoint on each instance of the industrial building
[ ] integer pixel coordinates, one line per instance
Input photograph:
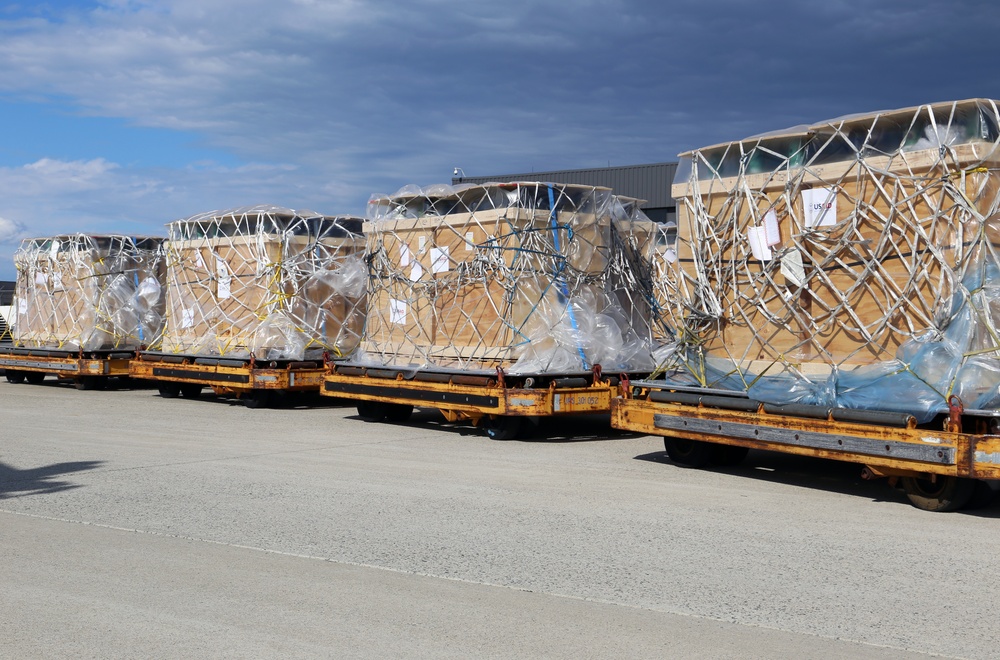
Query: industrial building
(650, 182)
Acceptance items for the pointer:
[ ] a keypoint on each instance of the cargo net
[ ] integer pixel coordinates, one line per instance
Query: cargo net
(529, 277)
(852, 263)
(88, 293)
(265, 282)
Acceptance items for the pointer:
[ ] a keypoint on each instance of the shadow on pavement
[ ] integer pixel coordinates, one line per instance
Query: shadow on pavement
(40, 481)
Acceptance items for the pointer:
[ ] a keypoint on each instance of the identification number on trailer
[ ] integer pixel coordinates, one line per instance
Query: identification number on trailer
(562, 401)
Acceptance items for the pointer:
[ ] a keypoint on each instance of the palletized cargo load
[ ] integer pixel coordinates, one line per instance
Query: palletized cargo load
(851, 262)
(267, 281)
(836, 291)
(84, 292)
(527, 277)
(83, 306)
(259, 298)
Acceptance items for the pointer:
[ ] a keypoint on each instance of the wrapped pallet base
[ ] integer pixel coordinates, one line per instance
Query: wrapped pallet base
(88, 293)
(529, 277)
(849, 263)
(265, 281)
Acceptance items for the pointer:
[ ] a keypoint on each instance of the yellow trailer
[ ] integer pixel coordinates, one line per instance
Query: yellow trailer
(88, 370)
(939, 465)
(253, 382)
(499, 403)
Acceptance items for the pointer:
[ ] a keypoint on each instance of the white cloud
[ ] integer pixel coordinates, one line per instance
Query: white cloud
(11, 231)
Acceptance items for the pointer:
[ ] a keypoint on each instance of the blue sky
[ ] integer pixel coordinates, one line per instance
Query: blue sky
(122, 115)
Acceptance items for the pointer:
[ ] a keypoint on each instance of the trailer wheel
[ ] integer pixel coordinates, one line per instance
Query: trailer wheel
(372, 411)
(191, 390)
(15, 376)
(170, 390)
(255, 398)
(729, 455)
(397, 412)
(944, 494)
(689, 453)
(502, 427)
(34, 377)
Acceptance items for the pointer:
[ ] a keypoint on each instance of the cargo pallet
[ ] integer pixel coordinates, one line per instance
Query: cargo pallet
(936, 464)
(253, 382)
(88, 370)
(499, 403)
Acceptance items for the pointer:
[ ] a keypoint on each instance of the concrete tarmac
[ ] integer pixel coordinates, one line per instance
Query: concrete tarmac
(135, 526)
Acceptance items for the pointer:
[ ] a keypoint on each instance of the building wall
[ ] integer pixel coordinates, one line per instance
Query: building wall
(650, 182)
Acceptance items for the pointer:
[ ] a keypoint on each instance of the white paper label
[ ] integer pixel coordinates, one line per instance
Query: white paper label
(22, 306)
(416, 271)
(404, 256)
(820, 206)
(758, 243)
(187, 317)
(421, 243)
(440, 260)
(41, 278)
(791, 268)
(225, 279)
(469, 242)
(771, 228)
(198, 261)
(57, 282)
(397, 311)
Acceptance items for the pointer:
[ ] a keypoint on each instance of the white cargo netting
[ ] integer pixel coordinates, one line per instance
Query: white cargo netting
(266, 281)
(530, 277)
(88, 292)
(848, 263)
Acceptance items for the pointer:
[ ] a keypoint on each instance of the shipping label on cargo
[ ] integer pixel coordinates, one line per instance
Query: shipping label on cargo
(758, 243)
(187, 317)
(820, 207)
(397, 311)
(224, 278)
(440, 260)
(57, 281)
(792, 268)
(771, 229)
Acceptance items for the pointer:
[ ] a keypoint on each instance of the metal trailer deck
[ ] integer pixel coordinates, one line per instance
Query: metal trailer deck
(500, 403)
(937, 465)
(86, 369)
(253, 382)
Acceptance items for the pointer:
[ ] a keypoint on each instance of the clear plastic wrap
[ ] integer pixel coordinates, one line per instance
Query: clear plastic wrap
(848, 263)
(265, 281)
(88, 292)
(532, 277)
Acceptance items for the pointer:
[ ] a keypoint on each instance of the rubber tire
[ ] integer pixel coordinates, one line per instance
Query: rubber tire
(502, 427)
(191, 391)
(34, 377)
(15, 377)
(372, 411)
(398, 412)
(947, 494)
(689, 453)
(729, 455)
(170, 390)
(256, 399)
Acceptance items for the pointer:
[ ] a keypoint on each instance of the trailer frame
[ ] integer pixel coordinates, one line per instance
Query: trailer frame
(497, 402)
(88, 370)
(252, 381)
(937, 464)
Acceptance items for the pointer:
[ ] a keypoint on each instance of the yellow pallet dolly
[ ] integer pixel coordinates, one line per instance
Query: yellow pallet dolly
(253, 382)
(936, 464)
(88, 370)
(499, 403)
